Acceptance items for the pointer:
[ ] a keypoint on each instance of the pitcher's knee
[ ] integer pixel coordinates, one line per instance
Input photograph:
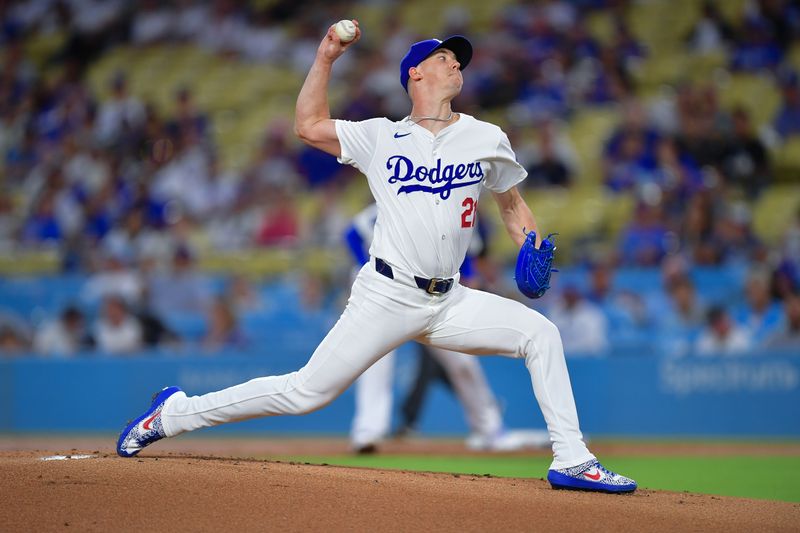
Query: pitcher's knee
(544, 337)
(302, 400)
(549, 332)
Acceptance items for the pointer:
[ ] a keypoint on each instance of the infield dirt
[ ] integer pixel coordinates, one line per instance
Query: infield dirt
(167, 490)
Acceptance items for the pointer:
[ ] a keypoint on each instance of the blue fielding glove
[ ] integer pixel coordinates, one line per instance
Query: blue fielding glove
(534, 266)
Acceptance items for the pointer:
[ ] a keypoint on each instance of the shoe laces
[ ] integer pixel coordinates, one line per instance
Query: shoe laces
(603, 469)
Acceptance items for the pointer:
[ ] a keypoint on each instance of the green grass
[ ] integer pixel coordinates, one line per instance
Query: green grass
(771, 478)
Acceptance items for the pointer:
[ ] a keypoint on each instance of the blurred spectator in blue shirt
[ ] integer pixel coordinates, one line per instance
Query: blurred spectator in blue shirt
(187, 120)
(736, 238)
(43, 226)
(318, 168)
(634, 122)
(788, 335)
(627, 50)
(580, 43)
(785, 280)
(180, 290)
(545, 95)
(611, 82)
(97, 215)
(722, 336)
(623, 308)
(759, 313)
(223, 329)
(633, 166)
(787, 121)
(682, 320)
(781, 18)
(676, 178)
(645, 241)
(755, 48)
(790, 245)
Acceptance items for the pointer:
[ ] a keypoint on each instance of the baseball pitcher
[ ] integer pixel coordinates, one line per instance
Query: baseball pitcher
(427, 173)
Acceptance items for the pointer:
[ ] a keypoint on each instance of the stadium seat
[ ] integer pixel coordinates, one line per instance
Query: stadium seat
(756, 93)
(589, 129)
(39, 47)
(786, 161)
(776, 207)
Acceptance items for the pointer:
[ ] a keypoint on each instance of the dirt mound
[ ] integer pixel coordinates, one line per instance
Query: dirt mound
(194, 493)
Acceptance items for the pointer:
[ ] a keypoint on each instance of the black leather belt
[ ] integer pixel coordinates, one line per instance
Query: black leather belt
(431, 286)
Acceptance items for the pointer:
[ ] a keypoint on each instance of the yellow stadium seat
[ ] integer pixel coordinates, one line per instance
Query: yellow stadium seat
(698, 68)
(794, 56)
(33, 262)
(40, 46)
(773, 211)
(732, 10)
(786, 161)
(600, 26)
(757, 93)
(661, 24)
(574, 213)
(662, 68)
(589, 130)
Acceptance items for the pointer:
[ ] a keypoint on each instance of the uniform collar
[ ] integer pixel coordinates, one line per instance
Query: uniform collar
(406, 125)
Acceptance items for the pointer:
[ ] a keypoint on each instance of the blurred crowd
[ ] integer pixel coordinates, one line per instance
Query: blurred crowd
(678, 318)
(122, 191)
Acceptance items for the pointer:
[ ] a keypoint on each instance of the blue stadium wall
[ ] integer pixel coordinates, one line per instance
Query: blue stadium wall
(756, 396)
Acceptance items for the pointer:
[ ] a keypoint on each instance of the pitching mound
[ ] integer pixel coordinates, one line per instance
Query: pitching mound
(200, 493)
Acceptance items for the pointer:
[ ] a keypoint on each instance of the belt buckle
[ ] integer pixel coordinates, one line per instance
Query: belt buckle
(432, 286)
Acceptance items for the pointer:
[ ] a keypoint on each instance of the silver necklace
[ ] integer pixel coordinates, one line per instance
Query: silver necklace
(415, 120)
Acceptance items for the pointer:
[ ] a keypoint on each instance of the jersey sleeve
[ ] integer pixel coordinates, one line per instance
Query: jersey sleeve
(504, 170)
(358, 141)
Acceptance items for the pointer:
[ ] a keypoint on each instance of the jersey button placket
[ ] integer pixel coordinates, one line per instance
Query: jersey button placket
(435, 152)
(444, 213)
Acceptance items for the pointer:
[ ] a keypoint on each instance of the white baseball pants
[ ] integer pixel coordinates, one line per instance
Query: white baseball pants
(374, 395)
(380, 315)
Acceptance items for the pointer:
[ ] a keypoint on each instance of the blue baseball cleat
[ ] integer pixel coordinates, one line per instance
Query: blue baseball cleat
(590, 475)
(146, 429)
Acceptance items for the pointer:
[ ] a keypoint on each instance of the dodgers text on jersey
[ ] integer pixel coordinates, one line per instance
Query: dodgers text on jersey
(442, 180)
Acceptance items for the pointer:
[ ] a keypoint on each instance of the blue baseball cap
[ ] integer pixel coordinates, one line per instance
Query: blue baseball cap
(458, 44)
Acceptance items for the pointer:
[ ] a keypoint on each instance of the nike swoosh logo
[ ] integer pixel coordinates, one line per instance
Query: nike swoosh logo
(146, 425)
(595, 477)
(397, 135)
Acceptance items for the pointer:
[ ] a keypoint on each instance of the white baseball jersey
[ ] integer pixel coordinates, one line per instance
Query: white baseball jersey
(427, 186)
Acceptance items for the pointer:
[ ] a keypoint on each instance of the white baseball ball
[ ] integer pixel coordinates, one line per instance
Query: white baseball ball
(346, 30)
